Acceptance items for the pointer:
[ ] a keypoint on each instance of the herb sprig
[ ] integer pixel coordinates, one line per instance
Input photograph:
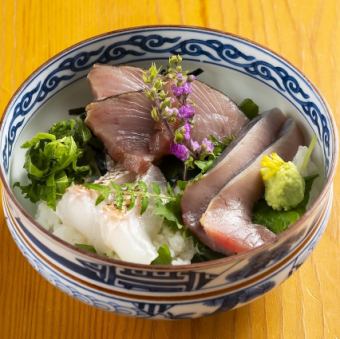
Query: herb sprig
(124, 196)
(173, 107)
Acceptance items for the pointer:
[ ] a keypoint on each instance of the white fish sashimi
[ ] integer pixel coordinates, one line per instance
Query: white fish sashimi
(77, 209)
(151, 221)
(127, 233)
(50, 220)
(69, 234)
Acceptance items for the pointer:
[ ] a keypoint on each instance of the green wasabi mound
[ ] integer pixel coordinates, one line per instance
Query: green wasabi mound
(284, 185)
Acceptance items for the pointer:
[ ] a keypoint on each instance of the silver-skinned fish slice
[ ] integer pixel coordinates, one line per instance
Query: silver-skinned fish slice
(227, 220)
(253, 139)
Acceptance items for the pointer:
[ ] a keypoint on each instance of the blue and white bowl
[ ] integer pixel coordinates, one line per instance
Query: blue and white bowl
(235, 66)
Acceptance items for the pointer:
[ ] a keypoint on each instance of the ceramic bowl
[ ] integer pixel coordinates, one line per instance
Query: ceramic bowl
(235, 66)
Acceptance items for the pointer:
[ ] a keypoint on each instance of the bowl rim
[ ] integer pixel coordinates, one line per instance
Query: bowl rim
(200, 265)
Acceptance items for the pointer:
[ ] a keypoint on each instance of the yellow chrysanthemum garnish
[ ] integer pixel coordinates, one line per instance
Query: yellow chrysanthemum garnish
(270, 165)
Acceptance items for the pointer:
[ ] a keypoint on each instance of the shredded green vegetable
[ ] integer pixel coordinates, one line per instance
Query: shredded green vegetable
(56, 159)
(86, 247)
(164, 256)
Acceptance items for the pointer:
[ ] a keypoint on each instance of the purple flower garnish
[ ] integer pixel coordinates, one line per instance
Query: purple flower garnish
(187, 129)
(207, 145)
(186, 88)
(179, 76)
(179, 90)
(186, 111)
(180, 151)
(194, 145)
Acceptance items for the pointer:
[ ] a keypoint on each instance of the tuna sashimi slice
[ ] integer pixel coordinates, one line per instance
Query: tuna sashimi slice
(107, 81)
(253, 139)
(215, 113)
(227, 220)
(125, 126)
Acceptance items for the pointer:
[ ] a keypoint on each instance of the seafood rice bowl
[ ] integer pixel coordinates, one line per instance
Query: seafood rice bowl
(163, 182)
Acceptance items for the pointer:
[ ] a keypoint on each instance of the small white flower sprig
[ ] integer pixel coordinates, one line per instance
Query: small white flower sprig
(172, 107)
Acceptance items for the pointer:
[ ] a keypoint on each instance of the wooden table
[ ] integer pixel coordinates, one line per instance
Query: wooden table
(306, 32)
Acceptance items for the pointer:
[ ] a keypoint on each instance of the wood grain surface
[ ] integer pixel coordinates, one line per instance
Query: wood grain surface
(306, 32)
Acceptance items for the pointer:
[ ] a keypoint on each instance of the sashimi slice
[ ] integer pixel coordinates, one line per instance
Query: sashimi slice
(215, 113)
(124, 125)
(126, 233)
(253, 139)
(227, 220)
(107, 81)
